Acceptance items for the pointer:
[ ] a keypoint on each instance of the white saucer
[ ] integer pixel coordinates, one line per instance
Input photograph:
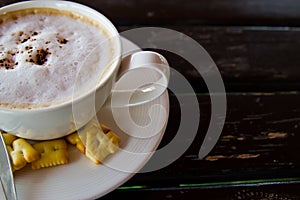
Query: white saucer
(81, 178)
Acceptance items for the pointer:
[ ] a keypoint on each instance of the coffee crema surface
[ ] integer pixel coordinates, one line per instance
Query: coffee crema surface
(44, 52)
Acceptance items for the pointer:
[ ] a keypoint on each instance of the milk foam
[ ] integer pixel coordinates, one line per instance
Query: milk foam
(42, 55)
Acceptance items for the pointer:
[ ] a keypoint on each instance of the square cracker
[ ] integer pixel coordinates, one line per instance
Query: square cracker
(95, 140)
(52, 152)
(9, 138)
(75, 140)
(22, 153)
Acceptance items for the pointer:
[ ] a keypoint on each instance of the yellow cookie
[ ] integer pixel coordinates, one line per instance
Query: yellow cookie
(99, 141)
(100, 145)
(9, 150)
(22, 153)
(52, 152)
(75, 140)
(9, 138)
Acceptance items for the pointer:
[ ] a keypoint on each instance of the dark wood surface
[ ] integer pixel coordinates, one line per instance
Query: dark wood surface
(256, 45)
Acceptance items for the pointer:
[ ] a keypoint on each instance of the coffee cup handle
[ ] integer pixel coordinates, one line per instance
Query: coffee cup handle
(143, 76)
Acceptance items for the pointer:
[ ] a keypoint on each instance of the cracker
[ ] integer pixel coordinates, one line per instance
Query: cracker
(8, 138)
(75, 140)
(22, 153)
(9, 150)
(100, 144)
(52, 152)
(98, 141)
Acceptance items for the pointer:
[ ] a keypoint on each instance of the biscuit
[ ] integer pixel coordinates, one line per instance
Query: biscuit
(100, 145)
(91, 126)
(99, 141)
(52, 152)
(8, 138)
(9, 150)
(22, 153)
(75, 140)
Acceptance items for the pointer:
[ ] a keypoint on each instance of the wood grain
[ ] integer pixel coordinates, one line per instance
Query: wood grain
(197, 12)
(250, 59)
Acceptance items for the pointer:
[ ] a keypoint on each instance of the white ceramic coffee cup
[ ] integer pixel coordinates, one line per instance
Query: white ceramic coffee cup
(57, 121)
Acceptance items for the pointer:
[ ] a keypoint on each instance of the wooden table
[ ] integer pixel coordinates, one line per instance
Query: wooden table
(255, 45)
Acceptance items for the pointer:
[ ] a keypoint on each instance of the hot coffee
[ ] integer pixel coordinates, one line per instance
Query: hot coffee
(44, 51)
